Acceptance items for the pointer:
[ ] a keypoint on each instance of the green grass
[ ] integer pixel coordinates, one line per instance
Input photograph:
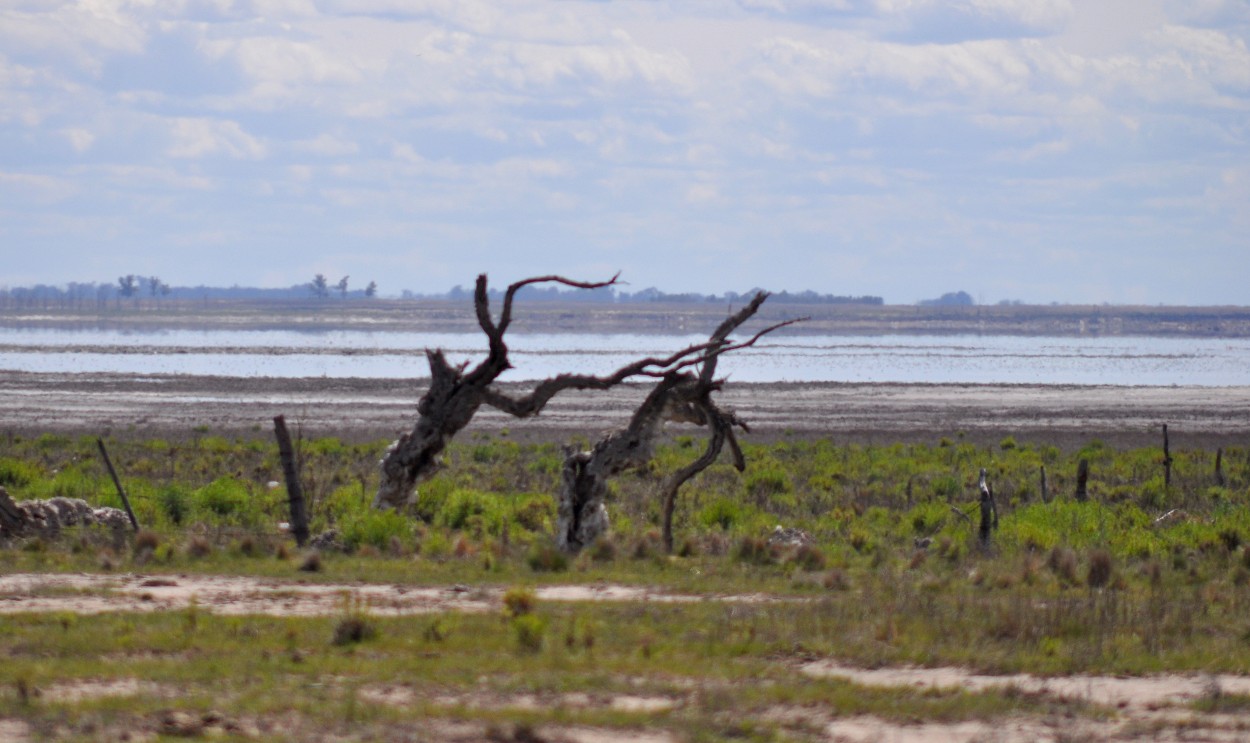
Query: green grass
(1063, 586)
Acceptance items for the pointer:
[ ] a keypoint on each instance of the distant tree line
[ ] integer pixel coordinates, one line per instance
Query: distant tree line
(949, 299)
(651, 294)
(149, 291)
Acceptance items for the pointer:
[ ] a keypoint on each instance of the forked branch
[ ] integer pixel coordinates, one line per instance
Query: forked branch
(679, 396)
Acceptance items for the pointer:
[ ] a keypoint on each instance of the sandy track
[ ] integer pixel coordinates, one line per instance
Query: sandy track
(368, 409)
(84, 593)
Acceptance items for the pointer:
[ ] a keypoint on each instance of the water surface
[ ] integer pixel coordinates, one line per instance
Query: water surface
(892, 358)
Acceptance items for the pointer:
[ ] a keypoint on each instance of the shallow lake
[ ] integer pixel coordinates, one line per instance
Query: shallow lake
(942, 359)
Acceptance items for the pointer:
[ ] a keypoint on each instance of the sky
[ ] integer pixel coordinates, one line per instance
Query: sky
(1077, 151)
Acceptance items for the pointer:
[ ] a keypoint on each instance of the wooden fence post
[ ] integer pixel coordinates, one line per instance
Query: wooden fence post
(117, 483)
(1082, 480)
(1219, 467)
(1045, 492)
(295, 494)
(1167, 459)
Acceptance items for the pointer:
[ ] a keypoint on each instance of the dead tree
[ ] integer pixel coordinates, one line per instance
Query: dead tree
(456, 393)
(679, 396)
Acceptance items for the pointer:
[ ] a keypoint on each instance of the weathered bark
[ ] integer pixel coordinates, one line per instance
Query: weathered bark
(455, 395)
(679, 396)
(290, 472)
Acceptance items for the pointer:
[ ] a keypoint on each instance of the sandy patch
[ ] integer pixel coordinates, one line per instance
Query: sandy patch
(403, 696)
(1137, 692)
(1027, 730)
(72, 692)
(92, 594)
(14, 731)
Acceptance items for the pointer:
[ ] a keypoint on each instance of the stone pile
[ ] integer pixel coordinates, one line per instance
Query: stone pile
(46, 518)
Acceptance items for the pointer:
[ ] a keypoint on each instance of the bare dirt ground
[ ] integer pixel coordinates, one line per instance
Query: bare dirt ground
(371, 409)
(1158, 707)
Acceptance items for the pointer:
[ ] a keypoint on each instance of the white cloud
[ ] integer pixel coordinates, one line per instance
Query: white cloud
(196, 138)
(80, 139)
(618, 61)
(85, 33)
(632, 133)
(277, 67)
(327, 145)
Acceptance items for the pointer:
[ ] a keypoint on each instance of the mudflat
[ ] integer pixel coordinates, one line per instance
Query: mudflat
(172, 406)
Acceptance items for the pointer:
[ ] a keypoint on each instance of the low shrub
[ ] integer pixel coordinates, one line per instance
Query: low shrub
(175, 503)
(15, 473)
(529, 630)
(374, 528)
(724, 513)
(471, 509)
(545, 558)
(519, 600)
(225, 498)
(354, 629)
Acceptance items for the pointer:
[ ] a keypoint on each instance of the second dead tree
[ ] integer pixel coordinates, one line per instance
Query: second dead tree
(680, 396)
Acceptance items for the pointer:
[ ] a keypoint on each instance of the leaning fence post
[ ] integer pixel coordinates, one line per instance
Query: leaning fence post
(118, 483)
(295, 494)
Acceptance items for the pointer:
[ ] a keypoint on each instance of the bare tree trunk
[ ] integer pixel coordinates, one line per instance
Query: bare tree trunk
(290, 472)
(455, 395)
(678, 396)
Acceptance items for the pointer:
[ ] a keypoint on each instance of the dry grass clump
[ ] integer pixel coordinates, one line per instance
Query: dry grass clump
(755, 550)
(1062, 562)
(808, 557)
(646, 546)
(311, 563)
(603, 550)
(354, 629)
(146, 543)
(1100, 570)
(835, 580)
(199, 547)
